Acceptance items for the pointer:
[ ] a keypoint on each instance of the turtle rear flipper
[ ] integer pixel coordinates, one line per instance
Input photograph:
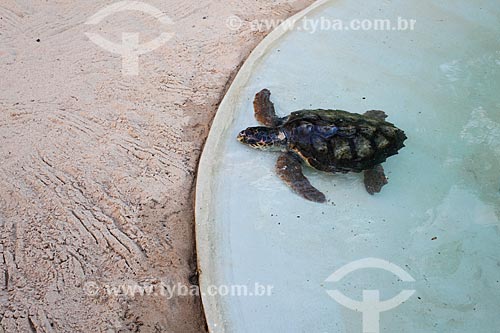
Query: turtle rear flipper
(375, 179)
(264, 109)
(377, 114)
(289, 169)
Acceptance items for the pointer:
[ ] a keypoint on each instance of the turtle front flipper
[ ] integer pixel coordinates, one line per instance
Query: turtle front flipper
(375, 179)
(289, 169)
(264, 109)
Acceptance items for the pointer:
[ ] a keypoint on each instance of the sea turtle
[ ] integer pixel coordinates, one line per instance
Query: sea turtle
(326, 140)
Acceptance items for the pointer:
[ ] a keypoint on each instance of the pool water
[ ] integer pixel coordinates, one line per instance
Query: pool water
(439, 216)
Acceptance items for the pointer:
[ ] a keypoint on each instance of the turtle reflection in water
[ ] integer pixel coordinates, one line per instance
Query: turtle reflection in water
(326, 140)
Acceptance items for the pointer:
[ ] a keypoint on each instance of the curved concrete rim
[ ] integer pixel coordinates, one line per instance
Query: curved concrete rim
(205, 233)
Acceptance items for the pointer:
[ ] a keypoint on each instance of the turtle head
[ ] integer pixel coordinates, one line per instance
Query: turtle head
(264, 138)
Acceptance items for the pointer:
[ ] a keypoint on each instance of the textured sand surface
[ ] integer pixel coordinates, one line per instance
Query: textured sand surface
(97, 169)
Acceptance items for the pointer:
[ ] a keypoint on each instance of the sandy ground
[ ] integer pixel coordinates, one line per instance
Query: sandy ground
(97, 169)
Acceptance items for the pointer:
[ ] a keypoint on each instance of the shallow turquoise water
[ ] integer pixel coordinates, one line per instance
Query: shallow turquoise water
(438, 218)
